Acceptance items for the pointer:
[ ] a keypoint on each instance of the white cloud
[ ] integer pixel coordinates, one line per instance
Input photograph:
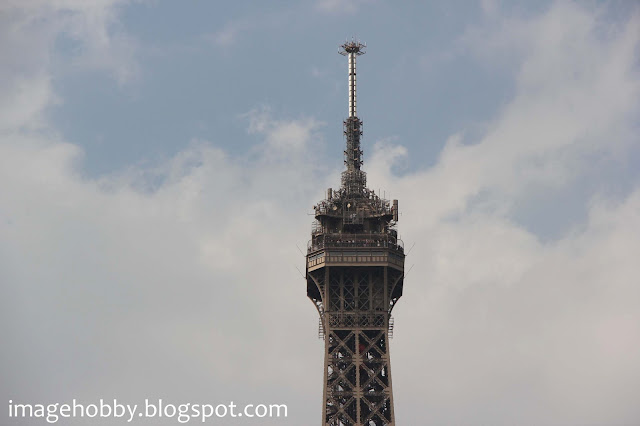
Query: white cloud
(569, 112)
(340, 6)
(187, 288)
(28, 34)
(200, 270)
(228, 34)
(283, 136)
(234, 30)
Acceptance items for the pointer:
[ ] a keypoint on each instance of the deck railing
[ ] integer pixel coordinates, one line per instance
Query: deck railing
(355, 240)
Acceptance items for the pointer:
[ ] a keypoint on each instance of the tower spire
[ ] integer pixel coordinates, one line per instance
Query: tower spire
(353, 179)
(352, 49)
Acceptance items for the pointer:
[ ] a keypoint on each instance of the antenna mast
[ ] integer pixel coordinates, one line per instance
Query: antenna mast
(353, 179)
(352, 49)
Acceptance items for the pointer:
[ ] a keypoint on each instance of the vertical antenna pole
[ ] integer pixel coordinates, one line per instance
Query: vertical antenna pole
(352, 84)
(351, 50)
(353, 179)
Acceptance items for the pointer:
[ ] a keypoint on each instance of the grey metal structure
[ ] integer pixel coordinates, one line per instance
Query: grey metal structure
(355, 272)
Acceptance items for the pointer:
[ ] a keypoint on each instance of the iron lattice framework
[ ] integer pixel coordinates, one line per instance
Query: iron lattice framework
(355, 272)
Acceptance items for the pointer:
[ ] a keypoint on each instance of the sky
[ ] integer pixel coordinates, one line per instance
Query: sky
(159, 162)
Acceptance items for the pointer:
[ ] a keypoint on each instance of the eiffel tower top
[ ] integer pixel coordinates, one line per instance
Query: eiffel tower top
(354, 209)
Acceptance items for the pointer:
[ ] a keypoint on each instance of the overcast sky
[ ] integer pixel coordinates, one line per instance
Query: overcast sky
(159, 162)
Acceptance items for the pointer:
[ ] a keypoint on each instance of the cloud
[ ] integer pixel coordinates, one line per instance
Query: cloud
(340, 6)
(283, 136)
(512, 328)
(574, 108)
(119, 282)
(30, 31)
(179, 281)
(233, 31)
(228, 35)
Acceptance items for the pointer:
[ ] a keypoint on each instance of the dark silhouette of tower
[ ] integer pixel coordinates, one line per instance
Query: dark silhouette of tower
(355, 272)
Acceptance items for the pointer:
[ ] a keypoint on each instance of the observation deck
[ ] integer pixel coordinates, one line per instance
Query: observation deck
(355, 250)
